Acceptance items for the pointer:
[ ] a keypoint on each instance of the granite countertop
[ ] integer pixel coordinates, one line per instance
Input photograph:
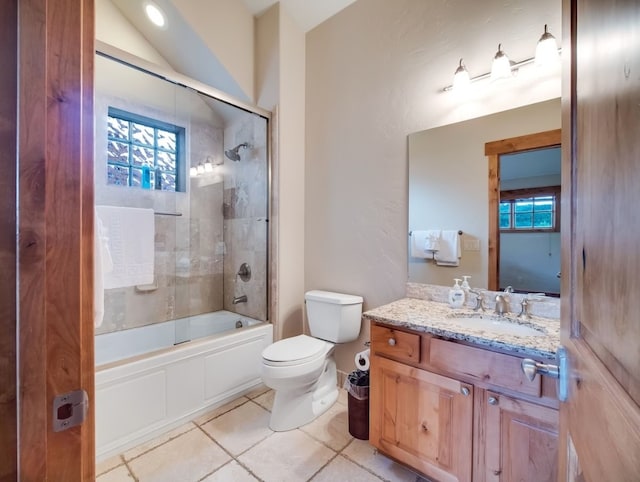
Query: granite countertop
(437, 319)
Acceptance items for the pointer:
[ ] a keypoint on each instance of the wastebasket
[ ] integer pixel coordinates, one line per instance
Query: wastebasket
(357, 386)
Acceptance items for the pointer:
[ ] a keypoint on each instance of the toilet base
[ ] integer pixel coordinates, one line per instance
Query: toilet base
(299, 406)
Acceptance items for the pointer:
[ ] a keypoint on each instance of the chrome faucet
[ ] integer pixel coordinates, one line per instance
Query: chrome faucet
(501, 305)
(525, 304)
(239, 299)
(524, 309)
(502, 301)
(479, 299)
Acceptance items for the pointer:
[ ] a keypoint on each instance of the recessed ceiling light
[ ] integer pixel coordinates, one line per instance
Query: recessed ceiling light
(156, 15)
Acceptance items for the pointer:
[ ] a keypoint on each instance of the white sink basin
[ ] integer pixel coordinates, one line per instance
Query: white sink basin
(494, 324)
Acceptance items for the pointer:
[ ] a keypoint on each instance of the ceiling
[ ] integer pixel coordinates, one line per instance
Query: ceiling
(202, 64)
(539, 162)
(306, 13)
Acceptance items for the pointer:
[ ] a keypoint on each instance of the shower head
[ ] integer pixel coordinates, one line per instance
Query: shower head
(233, 153)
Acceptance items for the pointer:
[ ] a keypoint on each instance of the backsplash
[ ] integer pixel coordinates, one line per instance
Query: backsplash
(548, 307)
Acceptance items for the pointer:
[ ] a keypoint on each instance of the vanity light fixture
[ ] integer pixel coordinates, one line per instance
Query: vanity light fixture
(155, 15)
(547, 49)
(547, 52)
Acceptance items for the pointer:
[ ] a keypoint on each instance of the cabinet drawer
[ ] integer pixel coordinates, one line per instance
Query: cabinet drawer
(397, 344)
(490, 367)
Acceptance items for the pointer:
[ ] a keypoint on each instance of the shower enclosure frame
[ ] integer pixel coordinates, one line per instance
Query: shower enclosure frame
(109, 51)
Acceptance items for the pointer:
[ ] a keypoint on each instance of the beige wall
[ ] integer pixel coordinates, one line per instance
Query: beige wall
(281, 87)
(374, 75)
(227, 28)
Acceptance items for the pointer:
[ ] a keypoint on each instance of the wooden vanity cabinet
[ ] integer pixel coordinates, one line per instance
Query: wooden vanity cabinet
(417, 417)
(459, 413)
(517, 440)
(422, 419)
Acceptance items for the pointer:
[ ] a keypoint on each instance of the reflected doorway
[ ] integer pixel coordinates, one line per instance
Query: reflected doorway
(524, 213)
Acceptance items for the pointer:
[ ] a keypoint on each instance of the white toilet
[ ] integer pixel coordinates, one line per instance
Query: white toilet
(301, 369)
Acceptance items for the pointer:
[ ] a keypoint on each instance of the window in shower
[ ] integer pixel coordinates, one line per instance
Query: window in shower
(144, 152)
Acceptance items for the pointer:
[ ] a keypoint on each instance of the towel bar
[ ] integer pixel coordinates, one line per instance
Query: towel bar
(460, 233)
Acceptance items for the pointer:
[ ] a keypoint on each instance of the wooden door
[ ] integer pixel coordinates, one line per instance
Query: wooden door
(600, 422)
(422, 419)
(521, 440)
(49, 55)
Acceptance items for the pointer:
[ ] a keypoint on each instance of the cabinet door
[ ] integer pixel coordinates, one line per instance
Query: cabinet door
(521, 440)
(422, 419)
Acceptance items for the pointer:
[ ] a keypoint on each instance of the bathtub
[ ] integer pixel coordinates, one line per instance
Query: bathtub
(154, 378)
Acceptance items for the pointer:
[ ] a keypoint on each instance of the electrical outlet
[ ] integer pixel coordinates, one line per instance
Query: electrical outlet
(472, 245)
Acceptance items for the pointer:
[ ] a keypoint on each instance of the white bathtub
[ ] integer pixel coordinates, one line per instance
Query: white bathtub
(152, 379)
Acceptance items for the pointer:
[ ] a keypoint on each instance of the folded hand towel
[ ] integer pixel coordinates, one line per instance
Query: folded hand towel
(129, 234)
(419, 241)
(432, 241)
(449, 253)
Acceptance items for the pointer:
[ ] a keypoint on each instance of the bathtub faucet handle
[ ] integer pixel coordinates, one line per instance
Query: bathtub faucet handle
(244, 272)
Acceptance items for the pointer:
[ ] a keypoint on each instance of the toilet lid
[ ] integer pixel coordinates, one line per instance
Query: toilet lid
(295, 349)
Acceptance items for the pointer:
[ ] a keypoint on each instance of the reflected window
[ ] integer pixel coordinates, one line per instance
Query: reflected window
(144, 152)
(530, 210)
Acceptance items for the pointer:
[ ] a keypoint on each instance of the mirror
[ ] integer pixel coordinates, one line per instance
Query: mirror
(448, 186)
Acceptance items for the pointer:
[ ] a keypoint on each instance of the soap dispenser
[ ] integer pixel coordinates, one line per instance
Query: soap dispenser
(465, 284)
(456, 295)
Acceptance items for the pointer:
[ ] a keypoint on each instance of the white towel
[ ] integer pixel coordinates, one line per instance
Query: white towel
(432, 241)
(418, 243)
(129, 234)
(98, 269)
(449, 253)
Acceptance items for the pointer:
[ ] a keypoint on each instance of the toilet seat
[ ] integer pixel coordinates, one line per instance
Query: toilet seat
(295, 351)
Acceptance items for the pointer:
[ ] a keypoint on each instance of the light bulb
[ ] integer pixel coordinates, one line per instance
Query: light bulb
(193, 172)
(208, 165)
(547, 49)
(200, 168)
(461, 79)
(501, 67)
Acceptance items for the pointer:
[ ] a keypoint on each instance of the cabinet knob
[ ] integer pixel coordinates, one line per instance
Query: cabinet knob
(392, 341)
(493, 400)
(465, 391)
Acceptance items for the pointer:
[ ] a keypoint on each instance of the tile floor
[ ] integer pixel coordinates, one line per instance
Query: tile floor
(234, 443)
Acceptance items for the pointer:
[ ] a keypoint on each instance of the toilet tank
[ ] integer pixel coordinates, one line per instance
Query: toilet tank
(333, 317)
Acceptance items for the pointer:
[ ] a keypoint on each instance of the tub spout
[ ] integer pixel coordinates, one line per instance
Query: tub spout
(239, 299)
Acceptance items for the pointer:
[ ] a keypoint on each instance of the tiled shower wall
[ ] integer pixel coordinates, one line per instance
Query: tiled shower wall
(224, 213)
(245, 216)
(189, 249)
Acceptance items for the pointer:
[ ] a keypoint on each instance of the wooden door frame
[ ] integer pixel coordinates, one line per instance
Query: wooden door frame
(8, 132)
(48, 77)
(493, 150)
